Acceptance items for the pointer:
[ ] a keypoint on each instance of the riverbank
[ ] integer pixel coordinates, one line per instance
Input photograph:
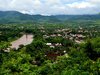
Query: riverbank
(24, 40)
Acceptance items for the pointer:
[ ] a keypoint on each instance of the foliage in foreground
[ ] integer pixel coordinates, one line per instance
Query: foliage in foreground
(75, 62)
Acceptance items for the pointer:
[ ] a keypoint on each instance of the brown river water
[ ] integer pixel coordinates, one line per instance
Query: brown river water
(24, 40)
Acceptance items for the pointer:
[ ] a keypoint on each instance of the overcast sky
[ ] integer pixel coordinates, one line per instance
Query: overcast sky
(51, 7)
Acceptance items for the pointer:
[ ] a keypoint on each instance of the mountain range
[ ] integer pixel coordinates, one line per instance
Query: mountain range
(17, 17)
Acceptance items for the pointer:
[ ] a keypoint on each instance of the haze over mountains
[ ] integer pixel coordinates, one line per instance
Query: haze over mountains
(17, 17)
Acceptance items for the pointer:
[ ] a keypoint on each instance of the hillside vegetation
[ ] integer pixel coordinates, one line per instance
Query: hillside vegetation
(62, 45)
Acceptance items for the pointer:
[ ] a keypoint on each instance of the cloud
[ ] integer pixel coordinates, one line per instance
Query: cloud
(81, 5)
(52, 7)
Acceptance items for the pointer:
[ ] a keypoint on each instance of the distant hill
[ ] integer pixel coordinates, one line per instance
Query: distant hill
(17, 17)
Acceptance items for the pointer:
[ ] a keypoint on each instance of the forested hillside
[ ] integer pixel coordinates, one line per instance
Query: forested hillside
(17, 17)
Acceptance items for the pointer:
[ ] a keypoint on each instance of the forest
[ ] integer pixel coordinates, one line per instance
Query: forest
(58, 48)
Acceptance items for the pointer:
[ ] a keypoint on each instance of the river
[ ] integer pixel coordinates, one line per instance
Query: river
(24, 40)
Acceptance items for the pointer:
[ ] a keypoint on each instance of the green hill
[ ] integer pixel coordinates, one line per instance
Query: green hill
(17, 17)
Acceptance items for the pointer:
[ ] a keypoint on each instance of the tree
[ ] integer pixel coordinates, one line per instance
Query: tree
(89, 50)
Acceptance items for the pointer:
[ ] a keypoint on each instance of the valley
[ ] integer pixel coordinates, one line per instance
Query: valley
(65, 45)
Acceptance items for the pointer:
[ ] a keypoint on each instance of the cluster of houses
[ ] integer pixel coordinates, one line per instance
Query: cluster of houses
(53, 45)
(68, 34)
(78, 38)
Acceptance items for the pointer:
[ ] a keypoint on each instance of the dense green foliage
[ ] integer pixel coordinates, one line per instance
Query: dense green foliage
(64, 57)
